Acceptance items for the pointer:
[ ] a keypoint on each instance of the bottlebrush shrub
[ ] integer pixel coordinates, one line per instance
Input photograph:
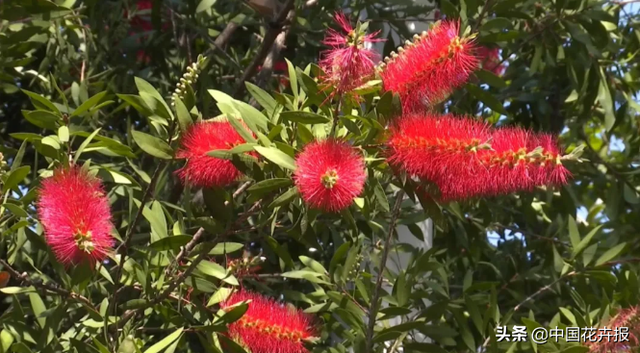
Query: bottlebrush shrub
(308, 186)
(74, 211)
(330, 175)
(466, 158)
(426, 70)
(268, 326)
(201, 169)
(351, 60)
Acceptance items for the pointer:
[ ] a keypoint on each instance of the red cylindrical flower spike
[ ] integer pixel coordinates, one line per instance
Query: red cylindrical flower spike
(490, 59)
(329, 175)
(267, 326)
(75, 214)
(620, 334)
(350, 61)
(200, 169)
(465, 158)
(425, 72)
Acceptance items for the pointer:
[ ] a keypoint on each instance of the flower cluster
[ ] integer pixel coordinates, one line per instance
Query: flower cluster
(329, 175)
(629, 318)
(350, 61)
(202, 170)
(75, 214)
(188, 79)
(490, 60)
(425, 71)
(268, 326)
(467, 158)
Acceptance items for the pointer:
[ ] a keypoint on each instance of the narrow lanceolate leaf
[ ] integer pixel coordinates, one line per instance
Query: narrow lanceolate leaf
(84, 145)
(276, 156)
(152, 145)
(89, 103)
(304, 117)
(165, 342)
(610, 254)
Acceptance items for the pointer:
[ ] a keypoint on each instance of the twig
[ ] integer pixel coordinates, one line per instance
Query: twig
(529, 298)
(203, 253)
(274, 53)
(483, 12)
(60, 291)
(269, 39)
(336, 112)
(196, 237)
(383, 263)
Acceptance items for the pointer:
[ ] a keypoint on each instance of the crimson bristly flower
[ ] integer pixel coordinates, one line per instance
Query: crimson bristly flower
(467, 158)
(611, 338)
(268, 326)
(200, 169)
(350, 61)
(76, 217)
(427, 70)
(329, 174)
(490, 59)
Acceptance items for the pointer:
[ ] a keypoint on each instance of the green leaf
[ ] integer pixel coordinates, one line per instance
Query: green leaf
(219, 296)
(84, 145)
(381, 196)
(205, 5)
(42, 119)
(157, 220)
(605, 100)
(305, 117)
(235, 313)
(490, 78)
(170, 243)
(63, 133)
(610, 254)
(16, 176)
(89, 103)
(38, 307)
(184, 117)
(313, 264)
(214, 270)
(497, 24)
(152, 145)
(285, 198)
(262, 97)
(574, 234)
(487, 98)
(165, 342)
(293, 80)
(42, 103)
(230, 107)
(269, 185)
(277, 156)
(17, 290)
(585, 241)
(144, 86)
(226, 248)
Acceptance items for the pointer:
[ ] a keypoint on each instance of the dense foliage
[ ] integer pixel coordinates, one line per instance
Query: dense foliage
(112, 95)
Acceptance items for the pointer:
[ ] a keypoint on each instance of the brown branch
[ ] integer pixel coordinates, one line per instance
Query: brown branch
(202, 255)
(274, 53)
(375, 306)
(275, 28)
(24, 277)
(225, 36)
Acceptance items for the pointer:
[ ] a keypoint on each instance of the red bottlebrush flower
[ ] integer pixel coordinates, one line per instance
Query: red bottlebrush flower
(425, 72)
(268, 326)
(350, 61)
(75, 214)
(619, 335)
(465, 158)
(200, 169)
(490, 60)
(330, 175)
